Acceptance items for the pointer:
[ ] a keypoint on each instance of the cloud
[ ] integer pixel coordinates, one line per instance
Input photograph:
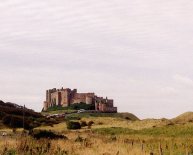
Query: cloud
(184, 80)
(127, 50)
(169, 91)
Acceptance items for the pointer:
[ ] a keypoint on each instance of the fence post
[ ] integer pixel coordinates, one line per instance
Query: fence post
(160, 149)
(186, 149)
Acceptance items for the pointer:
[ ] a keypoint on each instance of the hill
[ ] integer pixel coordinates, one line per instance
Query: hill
(73, 113)
(14, 109)
(15, 116)
(127, 116)
(184, 118)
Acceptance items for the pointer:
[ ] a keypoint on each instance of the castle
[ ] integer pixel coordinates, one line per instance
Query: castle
(66, 97)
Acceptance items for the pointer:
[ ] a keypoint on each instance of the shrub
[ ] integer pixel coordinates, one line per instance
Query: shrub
(2, 114)
(75, 106)
(41, 119)
(73, 125)
(90, 123)
(100, 123)
(83, 123)
(82, 105)
(13, 121)
(55, 108)
(48, 134)
(127, 118)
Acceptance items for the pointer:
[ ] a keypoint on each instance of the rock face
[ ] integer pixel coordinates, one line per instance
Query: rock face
(66, 97)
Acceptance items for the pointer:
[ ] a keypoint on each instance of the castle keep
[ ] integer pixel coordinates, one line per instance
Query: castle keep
(66, 97)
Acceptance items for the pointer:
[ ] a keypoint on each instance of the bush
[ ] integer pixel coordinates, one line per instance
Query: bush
(90, 123)
(41, 119)
(13, 121)
(77, 106)
(55, 108)
(73, 125)
(127, 118)
(48, 134)
(100, 123)
(2, 114)
(83, 123)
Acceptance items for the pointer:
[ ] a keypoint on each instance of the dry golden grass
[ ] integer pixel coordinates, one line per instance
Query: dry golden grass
(148, 123)
(107, 122)
(93, 143)
(101, 122)
(184, 118)
(61, 127)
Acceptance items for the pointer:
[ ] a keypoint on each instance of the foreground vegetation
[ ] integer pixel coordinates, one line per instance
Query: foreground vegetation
(93, 134)
(102, 136)
(90, 143)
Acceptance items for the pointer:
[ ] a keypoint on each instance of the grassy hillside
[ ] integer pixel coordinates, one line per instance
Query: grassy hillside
(110, 133)
(15, 116)
(14, 109)
(165, 131)
(127, 116)
(184, 118)
(119, 124)
(119, 134)
(61, 111)
(116, 134)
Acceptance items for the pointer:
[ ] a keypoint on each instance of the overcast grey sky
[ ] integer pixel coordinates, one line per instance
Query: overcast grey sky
(140, 53)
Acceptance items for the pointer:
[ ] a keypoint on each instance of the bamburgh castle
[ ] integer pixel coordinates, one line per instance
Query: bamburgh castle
(66, 97)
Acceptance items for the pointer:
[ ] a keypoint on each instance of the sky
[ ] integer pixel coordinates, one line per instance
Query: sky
(140, 53)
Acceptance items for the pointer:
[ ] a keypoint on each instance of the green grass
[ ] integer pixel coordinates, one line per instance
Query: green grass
(58, 111)
(128, 116)
(75, 106)
(167, 131)
(115, 131)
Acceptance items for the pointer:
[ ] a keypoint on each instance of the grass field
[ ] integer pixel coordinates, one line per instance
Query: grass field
(59, 111)
(109, 135)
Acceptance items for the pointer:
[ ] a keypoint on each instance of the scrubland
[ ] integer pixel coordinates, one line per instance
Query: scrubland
(107, 136)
